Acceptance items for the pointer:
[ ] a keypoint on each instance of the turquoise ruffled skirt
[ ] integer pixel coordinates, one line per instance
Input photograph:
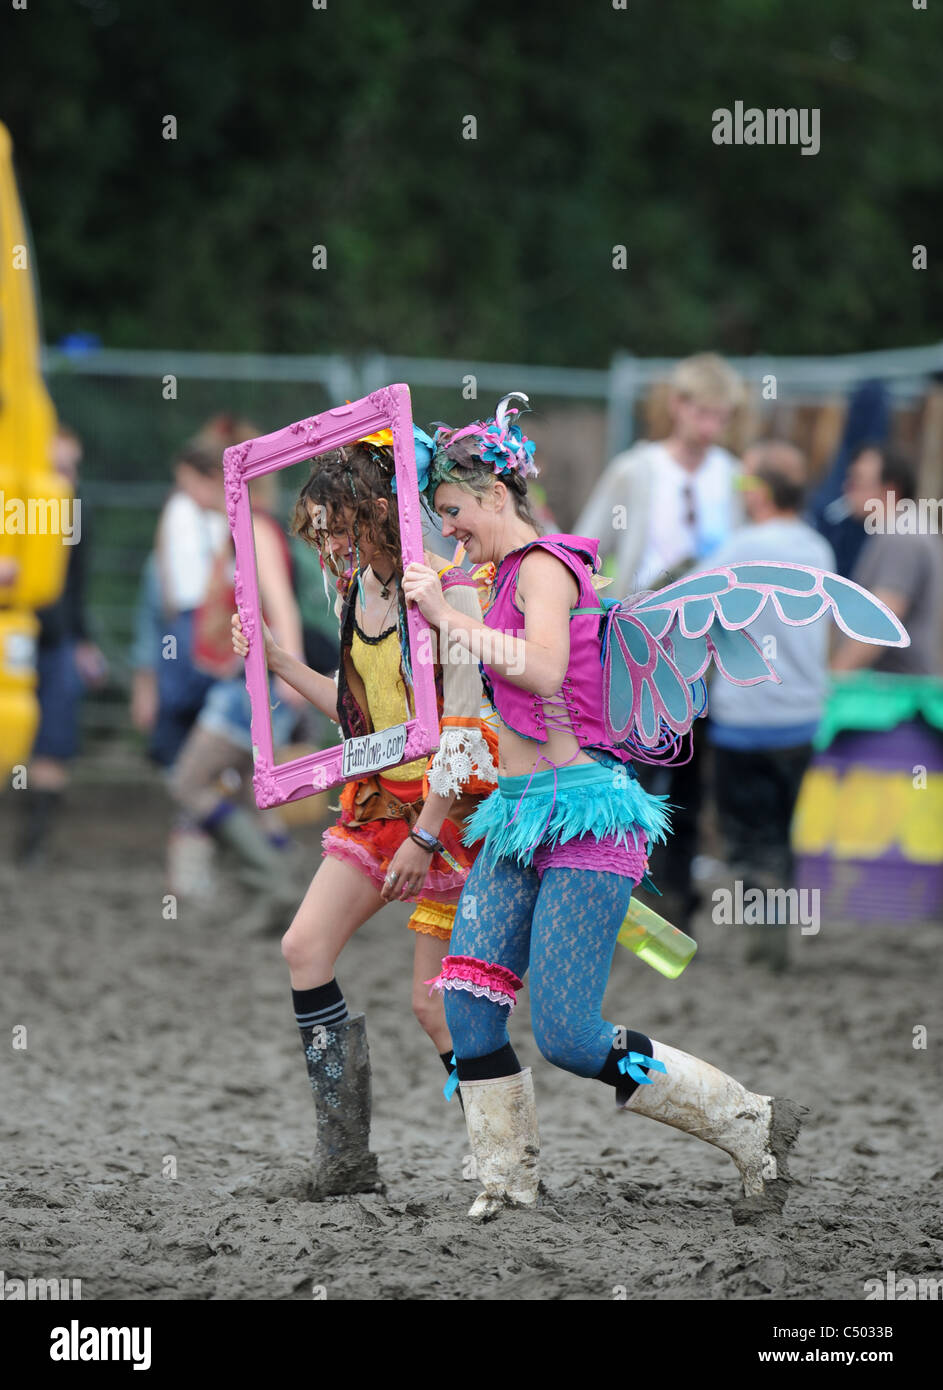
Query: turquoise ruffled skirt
(599, 800)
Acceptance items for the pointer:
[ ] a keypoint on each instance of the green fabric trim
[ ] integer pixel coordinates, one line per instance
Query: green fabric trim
(876, 701)
(574, 612)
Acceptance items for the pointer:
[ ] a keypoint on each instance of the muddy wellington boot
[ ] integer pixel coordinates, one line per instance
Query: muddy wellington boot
(501, 1117)
(756, 1131)
(339, 1071)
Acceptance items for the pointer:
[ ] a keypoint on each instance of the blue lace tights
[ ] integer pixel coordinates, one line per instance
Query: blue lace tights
(562, 929)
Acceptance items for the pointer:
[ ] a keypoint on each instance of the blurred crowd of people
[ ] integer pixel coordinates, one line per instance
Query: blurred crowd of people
(188, 693)
(660, 510)
(666, 508)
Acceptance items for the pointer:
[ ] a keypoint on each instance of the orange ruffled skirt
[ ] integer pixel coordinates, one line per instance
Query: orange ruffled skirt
(370, 844)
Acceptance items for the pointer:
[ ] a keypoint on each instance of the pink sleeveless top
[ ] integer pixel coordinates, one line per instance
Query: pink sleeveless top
(577, 705)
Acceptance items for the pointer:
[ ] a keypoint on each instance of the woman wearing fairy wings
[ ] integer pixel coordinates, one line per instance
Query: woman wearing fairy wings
(581, 688)
(399, 834)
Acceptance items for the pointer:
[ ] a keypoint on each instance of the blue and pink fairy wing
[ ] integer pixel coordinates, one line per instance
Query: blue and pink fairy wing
(643, 689)
(734, 596)
(657, 641)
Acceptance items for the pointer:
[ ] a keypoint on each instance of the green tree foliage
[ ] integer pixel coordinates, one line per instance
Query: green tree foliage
(343, 127)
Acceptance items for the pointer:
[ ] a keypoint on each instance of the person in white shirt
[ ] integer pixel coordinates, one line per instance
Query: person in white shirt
(658, 511)
(665, 504)
(192, 535)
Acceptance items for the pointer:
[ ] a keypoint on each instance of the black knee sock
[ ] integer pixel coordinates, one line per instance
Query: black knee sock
(612, 1076)
(496, 1064)
(321, 1007)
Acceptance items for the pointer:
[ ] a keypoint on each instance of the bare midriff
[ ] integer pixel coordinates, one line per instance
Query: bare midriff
(518, 756)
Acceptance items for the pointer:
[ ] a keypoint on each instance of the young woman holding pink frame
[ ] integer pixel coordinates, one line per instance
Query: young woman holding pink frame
(400, 832)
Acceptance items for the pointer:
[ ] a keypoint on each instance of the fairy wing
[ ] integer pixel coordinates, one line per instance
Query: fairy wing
(660, 643)
(643, 689)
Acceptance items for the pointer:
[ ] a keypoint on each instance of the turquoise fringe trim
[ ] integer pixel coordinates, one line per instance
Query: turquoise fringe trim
(595, 805)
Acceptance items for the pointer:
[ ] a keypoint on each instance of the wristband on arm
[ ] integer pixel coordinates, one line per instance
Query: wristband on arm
(433, 846)
(427, 840)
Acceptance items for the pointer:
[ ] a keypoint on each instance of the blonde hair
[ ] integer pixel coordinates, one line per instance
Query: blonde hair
(478, 480)
(708, 379)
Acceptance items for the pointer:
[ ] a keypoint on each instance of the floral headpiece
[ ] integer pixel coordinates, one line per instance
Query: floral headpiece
(422, 445)
(501, 442)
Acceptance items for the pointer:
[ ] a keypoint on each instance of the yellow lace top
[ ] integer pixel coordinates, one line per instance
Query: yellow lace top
(377, 663)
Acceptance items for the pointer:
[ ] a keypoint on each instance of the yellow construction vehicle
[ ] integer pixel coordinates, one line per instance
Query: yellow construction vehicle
(33, 497)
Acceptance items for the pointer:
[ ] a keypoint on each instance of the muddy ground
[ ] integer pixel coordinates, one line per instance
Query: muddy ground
(156, 1046)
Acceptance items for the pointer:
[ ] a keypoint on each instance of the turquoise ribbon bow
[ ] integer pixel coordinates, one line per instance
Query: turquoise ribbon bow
(451, 1086)
(424, 449)
(630, 1066)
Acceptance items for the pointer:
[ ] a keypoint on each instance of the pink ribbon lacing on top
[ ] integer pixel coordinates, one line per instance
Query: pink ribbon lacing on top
(563, 719)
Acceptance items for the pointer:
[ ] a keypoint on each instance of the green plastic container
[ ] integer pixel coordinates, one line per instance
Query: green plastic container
(664, 947)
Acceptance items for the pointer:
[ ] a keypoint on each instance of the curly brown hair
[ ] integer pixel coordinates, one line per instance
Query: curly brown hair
(344, 488)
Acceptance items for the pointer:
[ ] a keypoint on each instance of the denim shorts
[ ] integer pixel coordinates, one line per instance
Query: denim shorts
(181, 690)
(227, 711)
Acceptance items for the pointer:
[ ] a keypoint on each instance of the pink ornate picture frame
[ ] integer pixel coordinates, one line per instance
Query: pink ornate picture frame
(276, 783)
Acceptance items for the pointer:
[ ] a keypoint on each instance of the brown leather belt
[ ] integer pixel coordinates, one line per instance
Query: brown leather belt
(368, 799)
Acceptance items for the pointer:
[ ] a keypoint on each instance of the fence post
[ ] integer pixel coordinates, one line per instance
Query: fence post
(373, 371)
(342, 380)
(621, 393)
